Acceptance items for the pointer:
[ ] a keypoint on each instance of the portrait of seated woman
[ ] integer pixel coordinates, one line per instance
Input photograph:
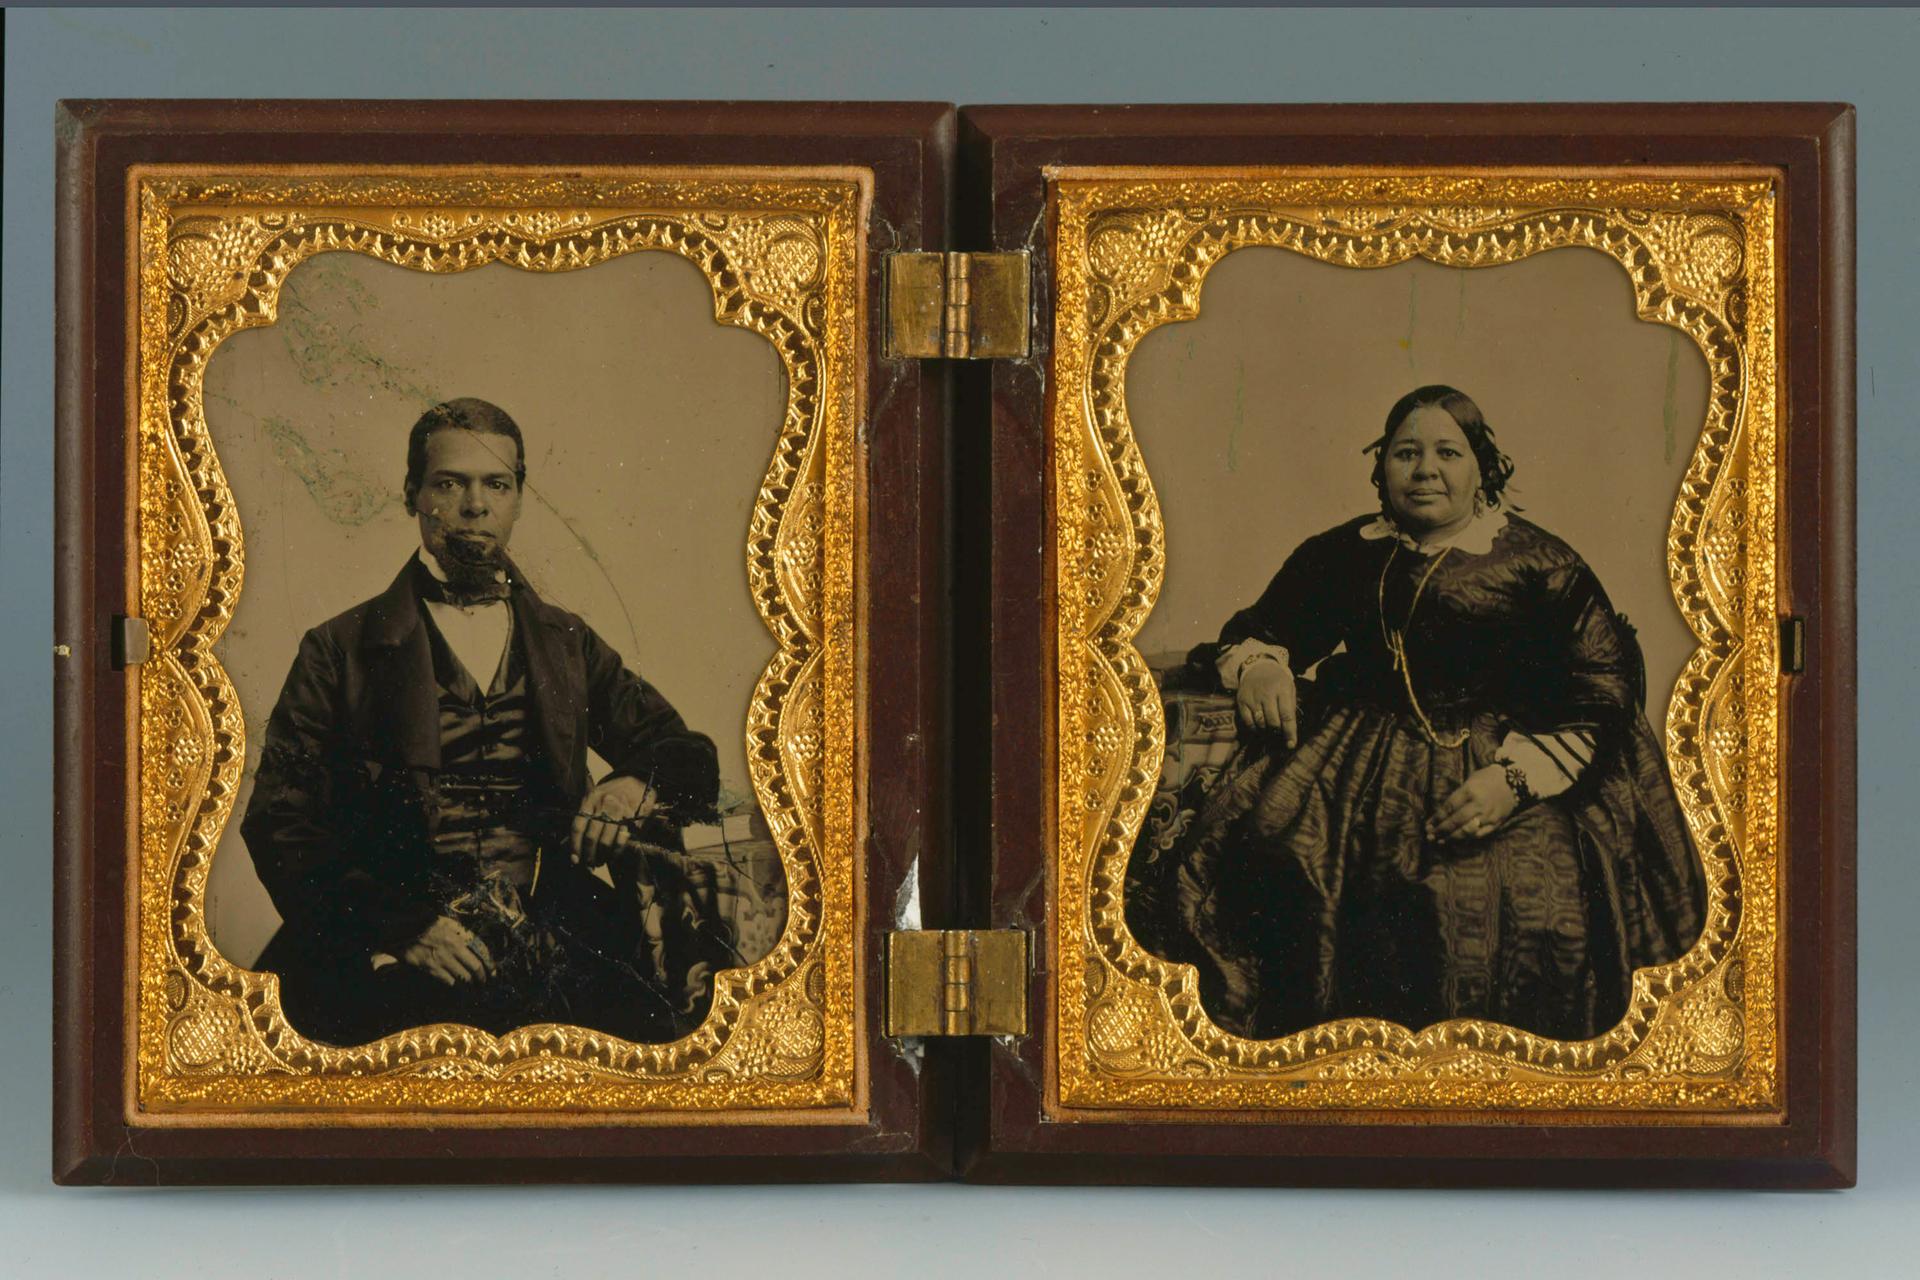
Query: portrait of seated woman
(1415, 779)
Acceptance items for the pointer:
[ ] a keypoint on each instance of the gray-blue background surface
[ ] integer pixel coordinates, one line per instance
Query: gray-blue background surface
(1867, 57)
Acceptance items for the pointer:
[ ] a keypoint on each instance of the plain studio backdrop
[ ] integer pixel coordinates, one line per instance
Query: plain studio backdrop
(648, 425)
(1253, 418)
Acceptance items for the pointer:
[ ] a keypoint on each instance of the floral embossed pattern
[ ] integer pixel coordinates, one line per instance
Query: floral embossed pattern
(782, 253)
(1700, 1035)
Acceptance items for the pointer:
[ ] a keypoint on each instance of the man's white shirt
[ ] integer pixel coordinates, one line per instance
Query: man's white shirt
(477, 633)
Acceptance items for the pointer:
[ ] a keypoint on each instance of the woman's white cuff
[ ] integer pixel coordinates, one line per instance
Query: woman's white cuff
(1234, 660)
(1552, 761)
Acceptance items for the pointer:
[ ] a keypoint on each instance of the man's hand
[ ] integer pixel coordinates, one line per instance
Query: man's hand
(1476, 807)
(449, 951)
(1267, 700)
(598, 830)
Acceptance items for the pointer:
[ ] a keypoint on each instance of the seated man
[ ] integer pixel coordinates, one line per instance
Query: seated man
(422, 816)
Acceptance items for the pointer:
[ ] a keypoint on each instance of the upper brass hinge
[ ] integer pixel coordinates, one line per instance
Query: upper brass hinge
(129, 642)
(963, 306)
(957, 982)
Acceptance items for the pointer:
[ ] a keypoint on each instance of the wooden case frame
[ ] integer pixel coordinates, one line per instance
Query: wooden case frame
(963, 726)
(1014, 1128)
(895, 1130)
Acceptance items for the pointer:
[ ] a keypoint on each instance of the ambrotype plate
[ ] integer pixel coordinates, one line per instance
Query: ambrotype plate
(1418, 676)
(497, 541)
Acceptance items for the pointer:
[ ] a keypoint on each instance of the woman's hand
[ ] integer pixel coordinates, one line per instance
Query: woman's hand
(449, 952)
(1476, 807)
(599, 830)
(1267, 700)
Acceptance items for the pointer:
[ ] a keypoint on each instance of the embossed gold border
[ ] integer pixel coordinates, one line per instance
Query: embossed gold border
(783, 251)
(1131, 252)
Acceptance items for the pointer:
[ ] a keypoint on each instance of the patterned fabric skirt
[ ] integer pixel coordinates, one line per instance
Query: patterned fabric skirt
(1304, 888)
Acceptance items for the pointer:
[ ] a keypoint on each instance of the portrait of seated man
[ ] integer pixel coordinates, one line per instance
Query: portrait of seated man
(423, 816)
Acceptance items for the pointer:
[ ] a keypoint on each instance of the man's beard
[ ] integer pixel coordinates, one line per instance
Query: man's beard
(471, 560)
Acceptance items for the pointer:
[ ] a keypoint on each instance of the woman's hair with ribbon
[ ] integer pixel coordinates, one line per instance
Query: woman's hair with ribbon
(1496, 468)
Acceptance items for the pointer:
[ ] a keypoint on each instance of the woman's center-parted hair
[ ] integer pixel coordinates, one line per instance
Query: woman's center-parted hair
(466, 413)
(1496, 468)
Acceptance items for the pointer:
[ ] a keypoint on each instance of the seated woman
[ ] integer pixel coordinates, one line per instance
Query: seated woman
(1464, 813)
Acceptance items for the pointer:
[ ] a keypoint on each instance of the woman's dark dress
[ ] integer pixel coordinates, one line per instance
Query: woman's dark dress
(1306, 889)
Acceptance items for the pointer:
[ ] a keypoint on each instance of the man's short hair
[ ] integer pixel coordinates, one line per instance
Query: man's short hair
(472, 415)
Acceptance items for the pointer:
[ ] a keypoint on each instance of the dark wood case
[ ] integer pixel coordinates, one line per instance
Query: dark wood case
(958, 690)
(908, 147)
(1006, 1132)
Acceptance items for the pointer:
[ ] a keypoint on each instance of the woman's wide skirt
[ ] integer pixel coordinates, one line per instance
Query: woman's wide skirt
(1307, 890)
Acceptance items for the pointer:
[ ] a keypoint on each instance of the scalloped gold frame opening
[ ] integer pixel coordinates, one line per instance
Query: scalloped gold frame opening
(1701, 1039)
(783, 252)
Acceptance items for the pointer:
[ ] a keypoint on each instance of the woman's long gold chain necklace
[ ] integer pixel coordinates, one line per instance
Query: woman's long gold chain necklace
(1396, 639)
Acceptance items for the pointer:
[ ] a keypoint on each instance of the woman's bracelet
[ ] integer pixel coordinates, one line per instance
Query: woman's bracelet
(1517, 781)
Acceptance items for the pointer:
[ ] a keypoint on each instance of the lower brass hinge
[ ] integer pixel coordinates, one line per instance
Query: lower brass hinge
(963, 306)
(957, 982)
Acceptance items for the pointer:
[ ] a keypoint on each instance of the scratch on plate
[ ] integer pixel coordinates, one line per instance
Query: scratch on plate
(633, 632)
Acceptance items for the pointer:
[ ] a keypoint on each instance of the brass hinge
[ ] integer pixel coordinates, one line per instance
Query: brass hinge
(130, 642)
(963, 306)
(957, 982)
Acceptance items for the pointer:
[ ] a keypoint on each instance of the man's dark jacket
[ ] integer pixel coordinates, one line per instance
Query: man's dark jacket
(341, 821)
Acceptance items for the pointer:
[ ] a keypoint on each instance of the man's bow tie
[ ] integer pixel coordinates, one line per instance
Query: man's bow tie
(464, 596)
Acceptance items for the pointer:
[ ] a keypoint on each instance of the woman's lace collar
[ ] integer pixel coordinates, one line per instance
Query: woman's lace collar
(1475, 537)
